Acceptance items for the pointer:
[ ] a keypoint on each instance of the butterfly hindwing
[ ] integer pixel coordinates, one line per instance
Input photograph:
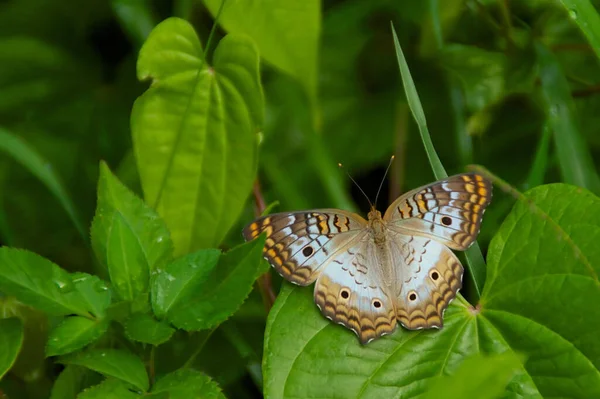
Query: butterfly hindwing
(299, 243)
(429, 277)
(350, 291)
(449, 210)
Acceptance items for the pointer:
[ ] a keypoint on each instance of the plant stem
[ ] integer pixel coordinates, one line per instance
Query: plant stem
(265, 283)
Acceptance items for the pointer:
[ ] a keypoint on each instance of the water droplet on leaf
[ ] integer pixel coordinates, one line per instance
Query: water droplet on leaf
(573, 14)
(65, 285)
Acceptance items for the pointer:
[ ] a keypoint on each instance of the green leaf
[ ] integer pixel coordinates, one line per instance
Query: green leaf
(186, 383)
(209, 301)
(29, 158)
(286, 33)
(144, 328)
(128, 237)
(417, 110)
(72, 380)
(480, 72)
(109, 389)
(136, 18)
(576, 164)
(540, 161)
(540, 300)
(74, 333)
(112, 363)
(11, 339)
(94, 293)
(475, 261)
(39, 283)
(583, 13)
(481, 377)
(194, 132)
(170, 285)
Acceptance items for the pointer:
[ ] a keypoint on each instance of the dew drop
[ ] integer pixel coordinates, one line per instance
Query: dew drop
(170, 277)
(573, 14)
(100, 286)
(65, 285)
(159, 239)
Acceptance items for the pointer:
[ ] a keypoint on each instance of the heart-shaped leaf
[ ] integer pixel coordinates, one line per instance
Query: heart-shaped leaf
(286, 33)
(194, 132)
(540, 300)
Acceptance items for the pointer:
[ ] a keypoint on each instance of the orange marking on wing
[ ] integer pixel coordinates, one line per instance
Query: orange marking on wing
(482, 191)
(323, 228)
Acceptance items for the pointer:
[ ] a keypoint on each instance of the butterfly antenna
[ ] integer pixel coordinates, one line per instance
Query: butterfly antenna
(384, 176)
(354, 181)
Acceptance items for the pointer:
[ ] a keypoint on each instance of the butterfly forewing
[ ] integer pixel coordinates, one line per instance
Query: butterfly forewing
(299, 244)
(449, 211)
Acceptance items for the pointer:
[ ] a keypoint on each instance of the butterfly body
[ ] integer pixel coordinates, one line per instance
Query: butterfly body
(373, 274)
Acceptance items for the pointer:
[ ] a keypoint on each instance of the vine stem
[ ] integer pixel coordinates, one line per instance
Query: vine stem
(265, 282)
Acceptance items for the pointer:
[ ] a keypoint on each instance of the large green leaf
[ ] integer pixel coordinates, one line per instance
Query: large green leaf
(211, 299)
(185, 383)
(481, 377)
(11, 339)
(128, 237)
(286, 33)
(115, 363)
(39, 283)
(194, 132)
(540, 300)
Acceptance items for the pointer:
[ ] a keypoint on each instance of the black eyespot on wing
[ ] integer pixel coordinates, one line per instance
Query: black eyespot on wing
(434, 275)
(412, 296)
(446, 221)
(377, 304)
(345, 294)
(307, 251)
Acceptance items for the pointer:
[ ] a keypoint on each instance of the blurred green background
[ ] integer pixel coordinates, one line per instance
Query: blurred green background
(511, 85)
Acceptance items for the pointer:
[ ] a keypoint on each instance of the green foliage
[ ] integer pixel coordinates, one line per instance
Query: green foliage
(197, 167)
(144, 328)
(129, 238)
(165, 139)
(74, 333)
(115, 363)
(11, 336)
(525, 308)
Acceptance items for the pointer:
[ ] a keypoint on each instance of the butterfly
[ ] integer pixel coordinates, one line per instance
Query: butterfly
(373, 274)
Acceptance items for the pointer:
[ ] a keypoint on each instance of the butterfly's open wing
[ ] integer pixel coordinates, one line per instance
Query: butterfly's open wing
(429, 276)
(449, 210)
(299, 243)
(350, 291)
